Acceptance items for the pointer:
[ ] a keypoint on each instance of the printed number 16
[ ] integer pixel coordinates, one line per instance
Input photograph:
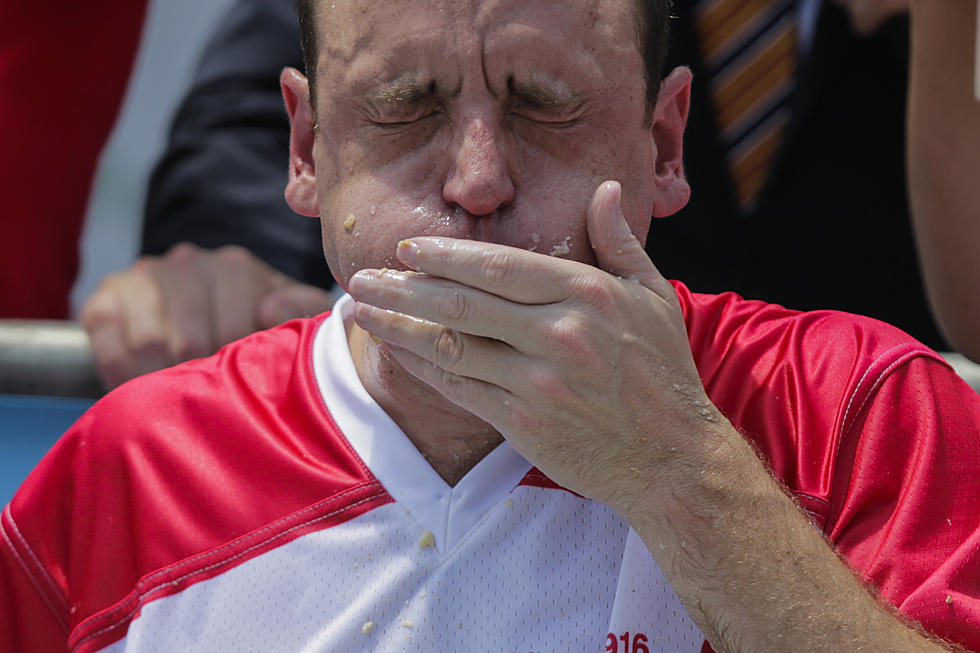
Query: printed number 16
(639, 643)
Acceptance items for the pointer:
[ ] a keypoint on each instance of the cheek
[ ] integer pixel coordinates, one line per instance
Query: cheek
(364, 223)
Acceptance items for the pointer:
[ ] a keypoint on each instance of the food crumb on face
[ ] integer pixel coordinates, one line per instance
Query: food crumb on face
(563, 248)
(349, 222)
(537, 241)
(427, 541)
(367, 627)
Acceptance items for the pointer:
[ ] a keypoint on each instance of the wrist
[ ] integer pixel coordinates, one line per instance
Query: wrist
(711, 466)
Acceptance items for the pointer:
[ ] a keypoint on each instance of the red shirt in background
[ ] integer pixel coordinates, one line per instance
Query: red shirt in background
(64, 68)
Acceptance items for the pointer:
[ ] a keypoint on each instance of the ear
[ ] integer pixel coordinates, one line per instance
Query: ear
(301, 187)
(667, 131)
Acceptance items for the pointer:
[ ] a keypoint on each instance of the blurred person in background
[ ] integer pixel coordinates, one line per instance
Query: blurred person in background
(64, 69)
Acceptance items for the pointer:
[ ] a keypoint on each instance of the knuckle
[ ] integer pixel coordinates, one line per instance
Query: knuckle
(448, 347)
(233, 257)
(183, 253)
(144, 266)
(569, 336)
(452, 306)
(499, 268)
(594, 291)
(548, 385)
(100, 309)
(454, 387)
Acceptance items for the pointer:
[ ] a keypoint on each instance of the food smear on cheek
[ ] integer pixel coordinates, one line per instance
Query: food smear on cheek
(563, 248)
(537, 241)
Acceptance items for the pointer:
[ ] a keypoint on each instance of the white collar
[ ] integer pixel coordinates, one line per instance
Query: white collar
(448, 512)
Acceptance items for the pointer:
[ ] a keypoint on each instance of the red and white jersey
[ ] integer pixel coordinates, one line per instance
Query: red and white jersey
(260, 500)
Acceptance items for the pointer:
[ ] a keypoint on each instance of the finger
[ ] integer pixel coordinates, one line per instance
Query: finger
(508, 272)
(186, 290)
(291, 301)
(487, 401)
(452, 351)
(145, 319)
(238, 281)
(445, 302)
(617, 250)
(101, 317)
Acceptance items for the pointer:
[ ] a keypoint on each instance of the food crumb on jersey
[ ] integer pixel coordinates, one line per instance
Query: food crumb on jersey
(509, 503)
(949, 599)
(408, 624)
(427, 541)
(367, 627)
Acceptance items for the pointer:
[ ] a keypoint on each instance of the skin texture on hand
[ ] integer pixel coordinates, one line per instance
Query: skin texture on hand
(572, 364)
(588, 373)
(868, 15)
(187, 304)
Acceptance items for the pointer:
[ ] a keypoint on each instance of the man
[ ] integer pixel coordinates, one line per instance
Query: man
(220, 184)
(365, 481)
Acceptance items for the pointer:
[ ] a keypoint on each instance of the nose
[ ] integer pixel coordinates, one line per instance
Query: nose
(479, 180)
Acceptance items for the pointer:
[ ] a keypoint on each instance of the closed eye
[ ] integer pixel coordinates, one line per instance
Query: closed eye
(395, 122)
(545, 118)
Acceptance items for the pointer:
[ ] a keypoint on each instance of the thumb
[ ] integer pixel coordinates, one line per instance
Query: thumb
(292, 301)
(616, 249)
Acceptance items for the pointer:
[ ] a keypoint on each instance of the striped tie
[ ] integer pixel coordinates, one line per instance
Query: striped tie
(749, 51)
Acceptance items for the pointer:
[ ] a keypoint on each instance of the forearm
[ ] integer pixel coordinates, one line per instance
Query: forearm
(943, 159)
(751, 570)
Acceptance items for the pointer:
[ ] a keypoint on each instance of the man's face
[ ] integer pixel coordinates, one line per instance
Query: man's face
(490, 120)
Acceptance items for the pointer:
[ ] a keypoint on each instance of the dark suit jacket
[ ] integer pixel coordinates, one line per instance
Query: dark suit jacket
(832, 228)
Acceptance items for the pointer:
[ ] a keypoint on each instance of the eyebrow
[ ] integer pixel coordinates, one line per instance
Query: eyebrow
(405, 90)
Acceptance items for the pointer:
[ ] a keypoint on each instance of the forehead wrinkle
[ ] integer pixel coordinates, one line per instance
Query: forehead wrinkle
(350, 28)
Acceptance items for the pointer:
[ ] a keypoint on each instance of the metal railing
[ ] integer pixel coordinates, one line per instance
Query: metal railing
(53, 358)
(47, 357)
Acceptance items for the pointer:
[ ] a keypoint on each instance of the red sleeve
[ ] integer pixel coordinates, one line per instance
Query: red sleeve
(905, 507)
(33, 609)
(64, 68)
(874, 434)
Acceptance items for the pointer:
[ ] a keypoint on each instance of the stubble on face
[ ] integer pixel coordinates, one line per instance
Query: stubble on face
(545, 87)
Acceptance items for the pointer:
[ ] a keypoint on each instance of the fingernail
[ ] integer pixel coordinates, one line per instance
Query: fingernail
(408, 253)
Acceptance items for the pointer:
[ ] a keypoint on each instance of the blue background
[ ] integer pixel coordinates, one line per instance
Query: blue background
(28, 428)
